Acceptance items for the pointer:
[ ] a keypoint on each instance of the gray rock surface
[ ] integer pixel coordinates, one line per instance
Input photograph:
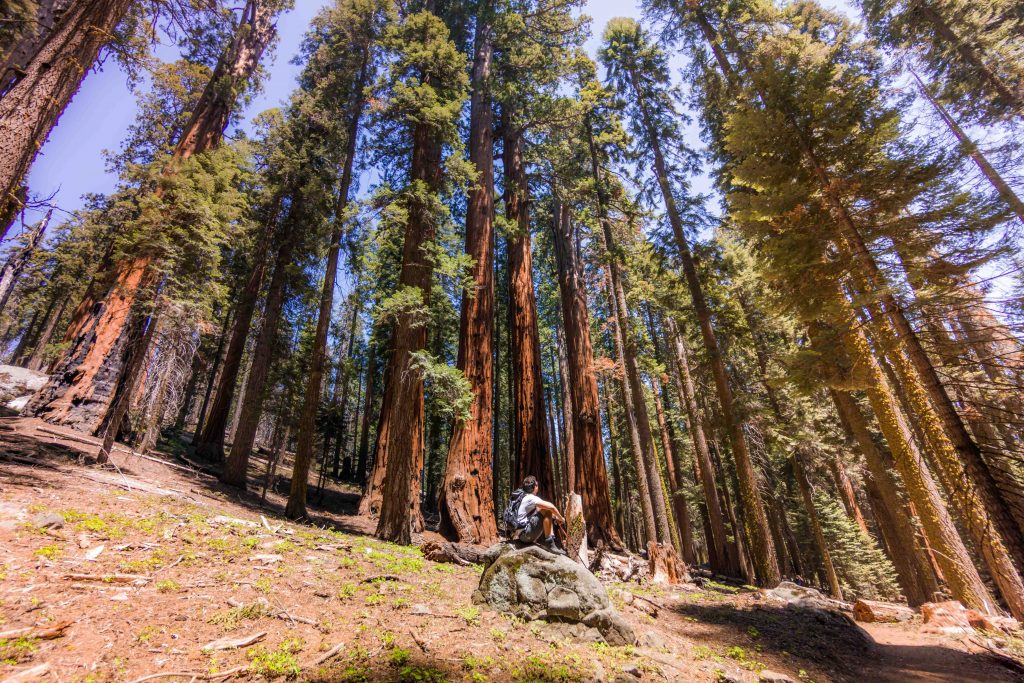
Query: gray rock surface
(532, 583)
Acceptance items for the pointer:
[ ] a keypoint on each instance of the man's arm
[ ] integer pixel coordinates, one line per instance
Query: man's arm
(549, 507)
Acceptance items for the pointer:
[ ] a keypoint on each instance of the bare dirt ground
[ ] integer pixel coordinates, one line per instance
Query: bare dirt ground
(155, 572)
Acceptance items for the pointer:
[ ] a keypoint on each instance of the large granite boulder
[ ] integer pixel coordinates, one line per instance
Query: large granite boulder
(533, 583)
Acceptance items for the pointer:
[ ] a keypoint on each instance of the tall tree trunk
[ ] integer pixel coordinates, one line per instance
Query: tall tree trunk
(17, 261)
(845, 488)
(968, 145)
(210, 441)
(49, 79)
(80, 392)
(296, 507)
(913, 566)
(1013, 99)
(17, 56)
(701, 454)
(591, 476)
(236, 466)
(806, 492)
(634, 402)
(672, 465)
(466, 501)
(37, 357)
(529, 448)
(218, 358)
(957, 568)
(399, 457)
(762, 548)
(359, 476)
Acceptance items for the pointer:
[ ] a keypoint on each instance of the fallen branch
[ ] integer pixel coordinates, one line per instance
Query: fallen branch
(189, 674)
(330, 653)
(234, 643)
(36, 632)
(382, 577)
(109, 578)
(420, 643)
(26, 675)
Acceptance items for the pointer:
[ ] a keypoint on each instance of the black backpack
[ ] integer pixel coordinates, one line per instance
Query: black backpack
(511, 516)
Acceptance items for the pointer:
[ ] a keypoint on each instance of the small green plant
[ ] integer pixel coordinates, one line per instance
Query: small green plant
(17, 650)
(49, 552)
(470, 614)
(498, 634)
(702, 652)
(753, 632)
(92, 523)
(421, 674)
(374, 599)
(168, 586)
(231, 618)
(387, 639)
(347, 590)
(147, 633)
(400, 657)
(736, 652)
(263, 585)
(279, 662)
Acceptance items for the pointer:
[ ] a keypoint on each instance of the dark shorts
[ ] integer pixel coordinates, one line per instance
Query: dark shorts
(533, 530)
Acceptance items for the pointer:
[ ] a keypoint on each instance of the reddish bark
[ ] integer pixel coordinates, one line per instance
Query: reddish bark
(530, 443)
(399, 461)
(51, 76)
(591, 476)
(80, 393)
(466, 501)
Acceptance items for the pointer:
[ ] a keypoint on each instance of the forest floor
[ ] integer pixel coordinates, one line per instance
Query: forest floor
(152, 567)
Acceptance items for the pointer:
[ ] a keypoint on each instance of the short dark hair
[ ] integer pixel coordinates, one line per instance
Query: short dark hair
(530, 483)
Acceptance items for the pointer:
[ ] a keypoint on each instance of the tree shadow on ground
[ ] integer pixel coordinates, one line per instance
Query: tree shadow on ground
(832, 642)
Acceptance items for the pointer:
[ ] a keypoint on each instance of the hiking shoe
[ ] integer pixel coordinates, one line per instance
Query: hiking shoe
(552, 547)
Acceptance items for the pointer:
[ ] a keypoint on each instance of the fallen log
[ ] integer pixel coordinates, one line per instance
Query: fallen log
(873, 612)
(453, 553)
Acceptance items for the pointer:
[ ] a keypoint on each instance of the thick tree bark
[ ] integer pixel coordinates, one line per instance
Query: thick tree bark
(913, 566)
(296, 507)
(467, 500)
(529, 447)
(591, 476)
(963, 579)
(218, 358)
(400, 435)
(236, 466)
(29, 108)
(79, 394)
(762, 548)
(701, 454)
(17, 56)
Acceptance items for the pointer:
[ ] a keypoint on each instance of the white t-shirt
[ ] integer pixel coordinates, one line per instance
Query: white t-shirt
(526, 507)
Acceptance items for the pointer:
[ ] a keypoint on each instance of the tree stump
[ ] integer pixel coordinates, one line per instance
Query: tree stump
(575, 529)
(665, 565)
(453, 553)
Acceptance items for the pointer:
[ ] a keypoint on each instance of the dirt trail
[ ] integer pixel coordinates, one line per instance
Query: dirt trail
(153, 568)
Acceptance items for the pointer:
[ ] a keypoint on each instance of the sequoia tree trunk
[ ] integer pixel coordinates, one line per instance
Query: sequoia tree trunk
(48, 79)
(590, 473)
(467, 500)
(530, 445)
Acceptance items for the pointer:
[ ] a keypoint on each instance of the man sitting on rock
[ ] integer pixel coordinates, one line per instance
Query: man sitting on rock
(536, 517)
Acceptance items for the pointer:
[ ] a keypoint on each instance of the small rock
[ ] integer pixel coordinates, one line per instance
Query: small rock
(653, 640)
(769, 676)
(632, 670)
(871, 612)
(119, 597)
(48, 520)
(232, 521)
(729, 677)
(267, 559)
(419, 608)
